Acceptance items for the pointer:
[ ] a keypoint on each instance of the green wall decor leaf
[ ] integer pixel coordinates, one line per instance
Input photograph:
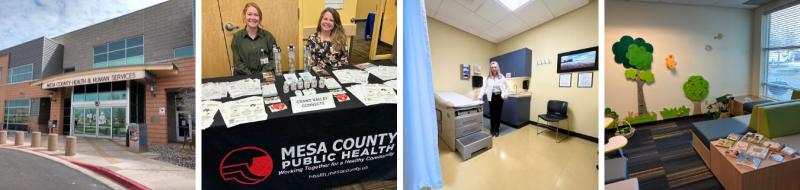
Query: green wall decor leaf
(639, 57)
(620, 49)
(647, 76)
(630, 74)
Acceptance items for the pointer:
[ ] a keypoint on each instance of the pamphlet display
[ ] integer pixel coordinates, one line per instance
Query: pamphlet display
(243, 111)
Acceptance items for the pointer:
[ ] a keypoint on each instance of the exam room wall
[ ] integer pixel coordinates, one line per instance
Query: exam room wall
(572, 31)
(682, 31)
(451, 47)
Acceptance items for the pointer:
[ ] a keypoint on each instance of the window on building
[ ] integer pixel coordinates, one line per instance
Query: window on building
(16, 115)
(186, 51)
(69, 70)
(782, 53)
(123, 52)
(20, 74)
(100, 92)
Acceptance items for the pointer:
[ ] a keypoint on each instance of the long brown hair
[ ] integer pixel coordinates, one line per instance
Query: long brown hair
(244, 13)
(337, 34)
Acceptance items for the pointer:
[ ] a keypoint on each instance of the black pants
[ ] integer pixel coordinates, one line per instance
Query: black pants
(495, 110)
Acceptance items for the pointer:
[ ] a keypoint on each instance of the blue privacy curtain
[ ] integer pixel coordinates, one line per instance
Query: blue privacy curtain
(420, 148)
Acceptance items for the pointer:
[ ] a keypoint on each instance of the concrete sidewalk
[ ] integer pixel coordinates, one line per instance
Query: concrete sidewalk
(114, 156)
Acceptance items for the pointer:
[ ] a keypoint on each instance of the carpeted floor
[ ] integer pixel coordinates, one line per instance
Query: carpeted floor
(662, 157)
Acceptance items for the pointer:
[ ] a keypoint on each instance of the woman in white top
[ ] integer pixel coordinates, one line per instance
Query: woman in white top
(495, 88)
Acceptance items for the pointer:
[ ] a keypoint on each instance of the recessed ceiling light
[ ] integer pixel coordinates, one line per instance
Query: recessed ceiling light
(513, 4)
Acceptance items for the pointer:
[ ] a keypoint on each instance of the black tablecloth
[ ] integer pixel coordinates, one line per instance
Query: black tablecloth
(253, 155)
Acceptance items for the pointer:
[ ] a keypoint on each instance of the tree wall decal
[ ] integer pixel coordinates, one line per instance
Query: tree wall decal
(636, 55)
(696, 89)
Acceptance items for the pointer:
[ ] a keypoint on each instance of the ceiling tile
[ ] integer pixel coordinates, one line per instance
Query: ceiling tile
(496, 33)
(453, 13)
(432, 6)
(492, 11)
(560, 7)
(512, 24)
(477, 23)
(472, 5)
(534, 13)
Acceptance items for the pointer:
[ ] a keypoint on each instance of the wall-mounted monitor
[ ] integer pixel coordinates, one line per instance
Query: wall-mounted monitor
(578, 60)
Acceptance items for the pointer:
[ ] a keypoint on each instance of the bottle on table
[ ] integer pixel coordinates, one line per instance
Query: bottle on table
(306, 59)
(291, 56)
(276, 53)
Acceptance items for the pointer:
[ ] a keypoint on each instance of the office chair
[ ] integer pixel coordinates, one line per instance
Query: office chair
(556, 112)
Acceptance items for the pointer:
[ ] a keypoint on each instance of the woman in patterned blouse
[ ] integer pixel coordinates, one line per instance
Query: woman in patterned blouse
(327, 46)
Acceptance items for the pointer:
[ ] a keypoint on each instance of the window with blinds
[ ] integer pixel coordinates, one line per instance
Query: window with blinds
(783, 53)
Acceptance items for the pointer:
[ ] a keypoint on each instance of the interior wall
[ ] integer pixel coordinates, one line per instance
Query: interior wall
(683, 31)
(365, 6)
(451, 47)
(575, 30)
(311, 9)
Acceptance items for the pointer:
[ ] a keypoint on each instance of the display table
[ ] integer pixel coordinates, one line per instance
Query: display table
(769, 175)
(327, 148)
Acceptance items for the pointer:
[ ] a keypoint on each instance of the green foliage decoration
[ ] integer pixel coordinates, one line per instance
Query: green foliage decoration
(620, 49)
(696, 88)
(639, 57)
(669, 113)
(647, 77)
(643, 118)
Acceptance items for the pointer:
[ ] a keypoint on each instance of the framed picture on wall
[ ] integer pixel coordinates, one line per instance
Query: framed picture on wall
(565, 80)
(585, 80)
(465, 73)
(578, 60)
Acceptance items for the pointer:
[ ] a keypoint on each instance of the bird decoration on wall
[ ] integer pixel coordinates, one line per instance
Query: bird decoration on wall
(719, 36)
(671, 63)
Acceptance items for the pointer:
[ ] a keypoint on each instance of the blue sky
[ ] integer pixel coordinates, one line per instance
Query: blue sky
(25, 20)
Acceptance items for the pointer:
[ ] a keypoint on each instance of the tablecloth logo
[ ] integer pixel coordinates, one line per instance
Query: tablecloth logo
(247, 165)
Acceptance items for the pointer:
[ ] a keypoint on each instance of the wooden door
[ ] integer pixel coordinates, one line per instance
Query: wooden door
(389, 22)
(280, 17)
(216, 57)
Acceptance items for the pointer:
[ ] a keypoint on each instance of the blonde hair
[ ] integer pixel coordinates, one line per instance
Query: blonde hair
(244, 13)
(499, 74)
(337, 34)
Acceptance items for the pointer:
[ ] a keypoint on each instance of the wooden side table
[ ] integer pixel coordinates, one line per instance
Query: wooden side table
(737, 106)
(770, 175)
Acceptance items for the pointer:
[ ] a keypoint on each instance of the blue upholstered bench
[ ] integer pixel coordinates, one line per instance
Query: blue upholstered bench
(706, 131)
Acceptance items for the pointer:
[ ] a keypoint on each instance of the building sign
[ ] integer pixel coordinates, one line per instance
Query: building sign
(94, 79)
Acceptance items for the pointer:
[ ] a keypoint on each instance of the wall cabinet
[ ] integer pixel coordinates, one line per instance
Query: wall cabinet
(517, 62)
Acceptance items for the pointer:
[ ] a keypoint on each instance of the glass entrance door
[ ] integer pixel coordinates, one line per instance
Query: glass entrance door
(102, 122)
(185, 125)
(80, 121)
(90, 117)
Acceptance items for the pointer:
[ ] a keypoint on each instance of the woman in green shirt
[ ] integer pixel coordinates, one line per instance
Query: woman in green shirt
(250, 43)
